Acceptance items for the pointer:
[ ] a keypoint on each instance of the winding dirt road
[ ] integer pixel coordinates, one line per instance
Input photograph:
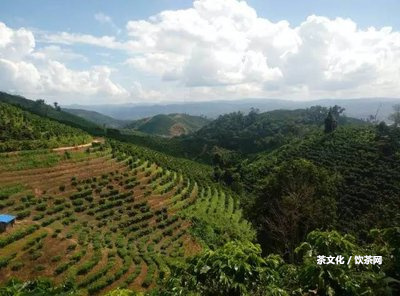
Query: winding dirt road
(97, 140)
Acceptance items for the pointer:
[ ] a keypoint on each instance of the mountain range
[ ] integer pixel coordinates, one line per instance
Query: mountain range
(360, 108)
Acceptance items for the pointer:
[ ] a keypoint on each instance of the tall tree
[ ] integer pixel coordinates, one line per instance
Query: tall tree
(330, 122)
(57, 107)
(297, 198)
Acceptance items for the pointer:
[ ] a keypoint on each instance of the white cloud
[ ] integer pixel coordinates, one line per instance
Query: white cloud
(18, 76)
(218, 49)
(55, 52)
(58, 78)
(138, 93)
(224, 43)
(39, 72)
(15, 44)
(72, 38)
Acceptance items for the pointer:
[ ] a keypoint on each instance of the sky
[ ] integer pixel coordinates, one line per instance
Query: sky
(120, 51)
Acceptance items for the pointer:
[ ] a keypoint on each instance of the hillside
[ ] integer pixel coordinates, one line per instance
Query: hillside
(113, 216)
(22, 130)
(170, 125)
(40, 108)
(119, 215)
(244, 134)
(361, 164)
(98, 118)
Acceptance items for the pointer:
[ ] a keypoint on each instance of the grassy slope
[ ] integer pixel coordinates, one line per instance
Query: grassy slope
(50, 112)
(22, 130)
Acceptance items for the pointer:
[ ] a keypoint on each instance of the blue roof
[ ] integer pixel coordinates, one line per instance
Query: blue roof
(6, 218)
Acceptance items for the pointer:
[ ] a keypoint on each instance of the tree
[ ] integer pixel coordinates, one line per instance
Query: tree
(330, 122)
(296, 199)
(316, 114)
(395, 116)
(56, 106)
(337, 110)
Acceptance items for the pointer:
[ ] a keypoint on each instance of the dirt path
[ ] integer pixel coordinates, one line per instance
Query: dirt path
(97, 140)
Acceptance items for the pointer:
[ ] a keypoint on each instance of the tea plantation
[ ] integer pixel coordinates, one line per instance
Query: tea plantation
(107, 217)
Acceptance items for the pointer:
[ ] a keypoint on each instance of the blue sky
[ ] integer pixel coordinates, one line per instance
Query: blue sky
(77, 15)
(117, 51)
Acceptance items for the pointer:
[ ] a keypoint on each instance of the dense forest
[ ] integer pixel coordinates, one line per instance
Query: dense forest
(272, 193)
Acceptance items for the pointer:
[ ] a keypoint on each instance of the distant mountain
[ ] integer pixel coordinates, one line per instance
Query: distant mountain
(98, 118)
(357, 108)
(169, 125)
(40, 108)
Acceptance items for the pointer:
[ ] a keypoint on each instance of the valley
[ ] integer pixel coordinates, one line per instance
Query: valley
(98, 211)
(199, 148)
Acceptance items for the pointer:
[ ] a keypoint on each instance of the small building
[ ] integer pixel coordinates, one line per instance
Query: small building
(6, 221)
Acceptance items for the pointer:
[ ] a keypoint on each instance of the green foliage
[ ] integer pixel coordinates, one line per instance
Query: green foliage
(5, 260)
(23, 160)
(16, 235)
(121, 292)
(330, 123)
(237, 268)
(334, 279)
(387, 242)
(39, 107)
(40, 287)
(7, 191)
(368, 193)
(189, 168)
(21, 130)
(255, 132)
(216, 220)
(295, 198)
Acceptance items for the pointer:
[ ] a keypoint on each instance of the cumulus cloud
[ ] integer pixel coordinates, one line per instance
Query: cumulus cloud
(15, 44)
(223, 49)
(224, 42)
(18, 76)
(40, 72)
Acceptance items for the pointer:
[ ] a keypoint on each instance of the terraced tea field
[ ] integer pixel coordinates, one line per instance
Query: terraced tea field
(101, 218)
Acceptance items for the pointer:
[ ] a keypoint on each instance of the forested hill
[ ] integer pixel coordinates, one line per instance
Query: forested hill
(254, 132)
(353, 172)
(40, 108)
(98, 118)
(169, 125)
(22, 130)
